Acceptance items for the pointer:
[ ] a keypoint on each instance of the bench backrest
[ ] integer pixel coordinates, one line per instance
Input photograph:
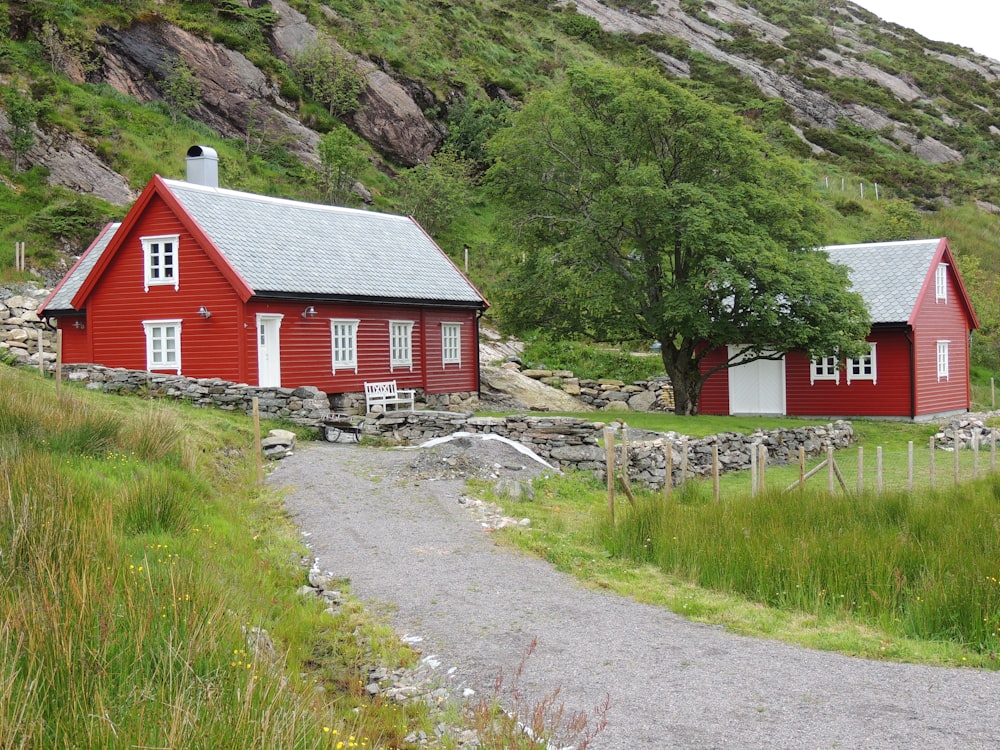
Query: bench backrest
(381, 389)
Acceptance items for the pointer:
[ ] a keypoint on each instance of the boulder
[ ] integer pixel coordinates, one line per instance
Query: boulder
(530, 393)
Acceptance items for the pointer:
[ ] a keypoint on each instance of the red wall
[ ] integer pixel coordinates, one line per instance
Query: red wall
(714, 397)
(936, 321)
(307, 348)
(225, 344)
(888, 396)
(119, 304)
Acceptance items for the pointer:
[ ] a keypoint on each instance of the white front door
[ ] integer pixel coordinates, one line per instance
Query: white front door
(757, 387)
(268, 350)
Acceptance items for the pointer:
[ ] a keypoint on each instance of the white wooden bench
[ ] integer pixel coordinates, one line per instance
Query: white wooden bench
(385, 393)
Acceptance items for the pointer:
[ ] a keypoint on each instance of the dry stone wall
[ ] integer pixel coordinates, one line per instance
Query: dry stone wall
(305, 405)
(573, 443)
(20, 327)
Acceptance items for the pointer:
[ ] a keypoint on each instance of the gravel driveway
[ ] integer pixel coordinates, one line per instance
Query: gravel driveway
(413, 551)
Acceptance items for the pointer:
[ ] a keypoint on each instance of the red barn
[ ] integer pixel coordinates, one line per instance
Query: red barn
(207, 282)
(918, 365)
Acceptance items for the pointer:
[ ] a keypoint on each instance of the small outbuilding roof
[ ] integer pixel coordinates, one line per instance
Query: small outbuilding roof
(891, 276)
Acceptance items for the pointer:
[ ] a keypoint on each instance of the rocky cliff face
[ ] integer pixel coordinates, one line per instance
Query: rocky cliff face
(810, 106)
(237, 97)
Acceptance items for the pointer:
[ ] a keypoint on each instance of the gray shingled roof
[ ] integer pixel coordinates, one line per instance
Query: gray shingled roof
(288, 247)
(888, 275)
(63, 296)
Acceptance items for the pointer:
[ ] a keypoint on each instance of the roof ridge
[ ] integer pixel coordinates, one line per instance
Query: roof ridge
(895, 243)
(288, 202)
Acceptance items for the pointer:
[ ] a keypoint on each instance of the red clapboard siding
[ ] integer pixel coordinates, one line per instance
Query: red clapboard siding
(119, 304)
(452, 378)
(935, 321)
(307, 347)
(75, 342)
(887, 396)
(714, 397)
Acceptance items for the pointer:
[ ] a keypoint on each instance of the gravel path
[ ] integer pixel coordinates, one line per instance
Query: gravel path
(414, 552)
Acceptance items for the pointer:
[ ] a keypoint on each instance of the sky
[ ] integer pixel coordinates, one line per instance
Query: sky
(970, 23)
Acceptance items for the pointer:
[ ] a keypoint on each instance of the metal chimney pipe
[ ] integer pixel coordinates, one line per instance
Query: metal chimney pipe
(203, 166)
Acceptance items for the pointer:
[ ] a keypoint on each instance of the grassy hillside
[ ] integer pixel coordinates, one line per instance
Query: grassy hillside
(139, 563)
(466, 62)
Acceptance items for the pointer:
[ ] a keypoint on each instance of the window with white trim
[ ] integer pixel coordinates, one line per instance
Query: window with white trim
(159, 257)
(864, 368)
(825, 368)
(163, 345)
(400, 343)
(451, 343)
(942, 360)
(344, 335)
(941, 283)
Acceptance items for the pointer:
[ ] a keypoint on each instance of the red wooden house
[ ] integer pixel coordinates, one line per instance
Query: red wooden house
(208, 282)
(918, 365)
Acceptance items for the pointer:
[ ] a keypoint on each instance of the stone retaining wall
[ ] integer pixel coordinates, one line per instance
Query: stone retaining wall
(306, 405)
(608, 394)
(20, 326)
(573, 443)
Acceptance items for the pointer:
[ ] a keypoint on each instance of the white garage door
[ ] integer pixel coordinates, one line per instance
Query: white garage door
(757, 387)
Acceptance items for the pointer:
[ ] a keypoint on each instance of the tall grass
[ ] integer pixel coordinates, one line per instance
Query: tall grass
(130, 580)
(922, 566)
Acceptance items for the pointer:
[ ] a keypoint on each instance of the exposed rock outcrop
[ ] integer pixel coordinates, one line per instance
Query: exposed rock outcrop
(388, 118)
(236, 96)
(511, 389)
(812, 107)
(70, 164)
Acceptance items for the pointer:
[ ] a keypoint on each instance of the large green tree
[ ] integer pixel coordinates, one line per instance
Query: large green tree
(638, 210)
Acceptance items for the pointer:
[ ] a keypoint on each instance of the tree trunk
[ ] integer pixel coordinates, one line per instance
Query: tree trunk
(685, 379)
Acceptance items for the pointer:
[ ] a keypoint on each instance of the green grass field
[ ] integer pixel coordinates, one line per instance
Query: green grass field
(876, 571)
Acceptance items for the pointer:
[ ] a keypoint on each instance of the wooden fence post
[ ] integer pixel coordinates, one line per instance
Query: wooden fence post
(909, 466)
(878, 470)
(957, 457)
(802, 467)
(975, 455)
(668, 470)
(932, 463)
(861, 470)
(609, 448)
(258, 450)
(829, 469)
(684, 460)
(715, 471)
(753, 471)
(59, 360)
(762, 467)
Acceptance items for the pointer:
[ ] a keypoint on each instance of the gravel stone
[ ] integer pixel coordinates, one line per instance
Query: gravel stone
(414, 549)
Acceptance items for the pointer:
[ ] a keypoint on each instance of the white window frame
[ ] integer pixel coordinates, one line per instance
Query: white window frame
(400, 344)
(825, 368)
(157, 339)
(344, 344)
(943, 360)
(451, 344)
(153, 259)
(941, 283)
(856, 367)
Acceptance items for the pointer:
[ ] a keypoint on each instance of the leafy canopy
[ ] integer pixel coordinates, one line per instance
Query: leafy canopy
(639, 211)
